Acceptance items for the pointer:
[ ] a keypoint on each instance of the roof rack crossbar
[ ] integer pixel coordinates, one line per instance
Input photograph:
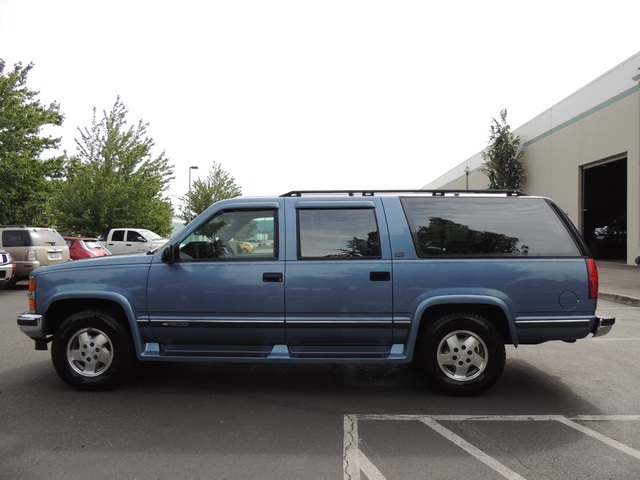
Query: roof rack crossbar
(370, 193)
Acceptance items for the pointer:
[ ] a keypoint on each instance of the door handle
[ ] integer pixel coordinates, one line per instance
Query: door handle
(272, 277)
(380, 276)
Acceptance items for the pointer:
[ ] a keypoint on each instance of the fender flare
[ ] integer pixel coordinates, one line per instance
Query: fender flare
(459, 301)
(110, 296)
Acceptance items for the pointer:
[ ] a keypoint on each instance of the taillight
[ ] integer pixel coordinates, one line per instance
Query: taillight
(592, 272)
(32, 294)
(30, 256)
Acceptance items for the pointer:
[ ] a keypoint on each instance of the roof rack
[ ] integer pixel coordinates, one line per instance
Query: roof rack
(434, 193)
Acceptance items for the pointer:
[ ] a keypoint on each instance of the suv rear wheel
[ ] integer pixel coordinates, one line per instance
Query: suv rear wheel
(463, 354)
(92, 351)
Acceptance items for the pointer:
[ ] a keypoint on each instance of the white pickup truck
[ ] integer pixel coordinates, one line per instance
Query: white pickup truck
(133, 240)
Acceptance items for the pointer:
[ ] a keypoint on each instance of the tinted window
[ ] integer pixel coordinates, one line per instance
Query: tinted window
(16, 238)
(134, 236)
(117, 236)
(457, 226)
(233, 235)
(338, 233)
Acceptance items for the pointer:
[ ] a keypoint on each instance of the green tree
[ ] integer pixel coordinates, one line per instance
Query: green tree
(502, 159)
(202, 193)
(114, 180)
(26, 176)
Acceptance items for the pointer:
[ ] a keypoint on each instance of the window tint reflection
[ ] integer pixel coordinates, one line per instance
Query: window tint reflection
(338, 233)
(233, 235)
(486, 227)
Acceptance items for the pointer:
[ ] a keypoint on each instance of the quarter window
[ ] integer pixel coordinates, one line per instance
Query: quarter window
(487, 227)
(338, 233)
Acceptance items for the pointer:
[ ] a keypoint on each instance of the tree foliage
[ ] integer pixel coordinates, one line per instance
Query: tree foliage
(202, 193)
(502, 159)
(26, 176)
(114, 180)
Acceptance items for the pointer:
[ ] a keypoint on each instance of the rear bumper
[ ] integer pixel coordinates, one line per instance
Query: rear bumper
(603, 326)
(23, 268)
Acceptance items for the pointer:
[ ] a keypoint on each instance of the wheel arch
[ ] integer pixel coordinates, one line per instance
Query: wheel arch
(493, 309)
(62, 306)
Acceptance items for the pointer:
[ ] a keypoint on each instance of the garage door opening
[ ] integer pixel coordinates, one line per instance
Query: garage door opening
(604, 217)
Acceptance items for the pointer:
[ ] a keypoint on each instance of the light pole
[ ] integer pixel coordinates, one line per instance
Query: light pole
(193, 167)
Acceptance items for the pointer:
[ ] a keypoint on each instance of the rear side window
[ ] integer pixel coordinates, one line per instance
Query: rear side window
(117, 236)
(16, 238)
(338, 233)
(487, 227)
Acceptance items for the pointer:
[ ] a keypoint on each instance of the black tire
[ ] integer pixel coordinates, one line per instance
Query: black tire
(92, 351)
(463, 354)
(11, 284)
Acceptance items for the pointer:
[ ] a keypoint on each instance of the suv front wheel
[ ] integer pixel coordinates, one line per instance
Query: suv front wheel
(92, 351)
(463, 354)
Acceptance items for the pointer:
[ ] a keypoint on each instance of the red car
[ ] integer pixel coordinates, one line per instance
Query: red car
(85, 247)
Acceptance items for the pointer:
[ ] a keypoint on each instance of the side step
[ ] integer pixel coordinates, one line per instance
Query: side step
(328, 353)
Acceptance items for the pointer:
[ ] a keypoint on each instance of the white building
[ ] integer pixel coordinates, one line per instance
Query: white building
(584, 153)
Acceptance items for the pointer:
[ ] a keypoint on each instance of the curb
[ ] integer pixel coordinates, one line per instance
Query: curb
(624, 299)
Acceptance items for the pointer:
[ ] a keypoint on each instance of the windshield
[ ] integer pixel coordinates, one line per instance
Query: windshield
(151, 235)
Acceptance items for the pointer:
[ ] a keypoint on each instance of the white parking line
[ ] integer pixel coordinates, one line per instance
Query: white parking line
(355, 461)
(603, 438)
(627, 339)
(474, 451)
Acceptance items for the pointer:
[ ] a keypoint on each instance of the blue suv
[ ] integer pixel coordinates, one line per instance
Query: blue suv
(444, 278)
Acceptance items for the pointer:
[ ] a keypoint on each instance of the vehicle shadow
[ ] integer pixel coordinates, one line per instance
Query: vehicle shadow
(198, 415)
(361, 388)
(523, 389)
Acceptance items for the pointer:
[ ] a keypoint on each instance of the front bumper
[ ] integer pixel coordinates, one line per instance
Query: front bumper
(603, 326)
(32, 325)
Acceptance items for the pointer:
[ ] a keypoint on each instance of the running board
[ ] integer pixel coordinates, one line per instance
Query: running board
(274, 352)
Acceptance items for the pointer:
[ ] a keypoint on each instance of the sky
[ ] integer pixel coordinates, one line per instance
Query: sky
(308, 95)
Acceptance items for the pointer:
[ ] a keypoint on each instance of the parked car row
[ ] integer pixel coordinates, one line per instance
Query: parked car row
(32, 248)
(24, 249)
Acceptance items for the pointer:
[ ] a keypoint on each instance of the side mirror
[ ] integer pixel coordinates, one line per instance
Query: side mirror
(171, 253)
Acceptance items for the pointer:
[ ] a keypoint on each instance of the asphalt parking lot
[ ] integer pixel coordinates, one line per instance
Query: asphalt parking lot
(560, 411)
